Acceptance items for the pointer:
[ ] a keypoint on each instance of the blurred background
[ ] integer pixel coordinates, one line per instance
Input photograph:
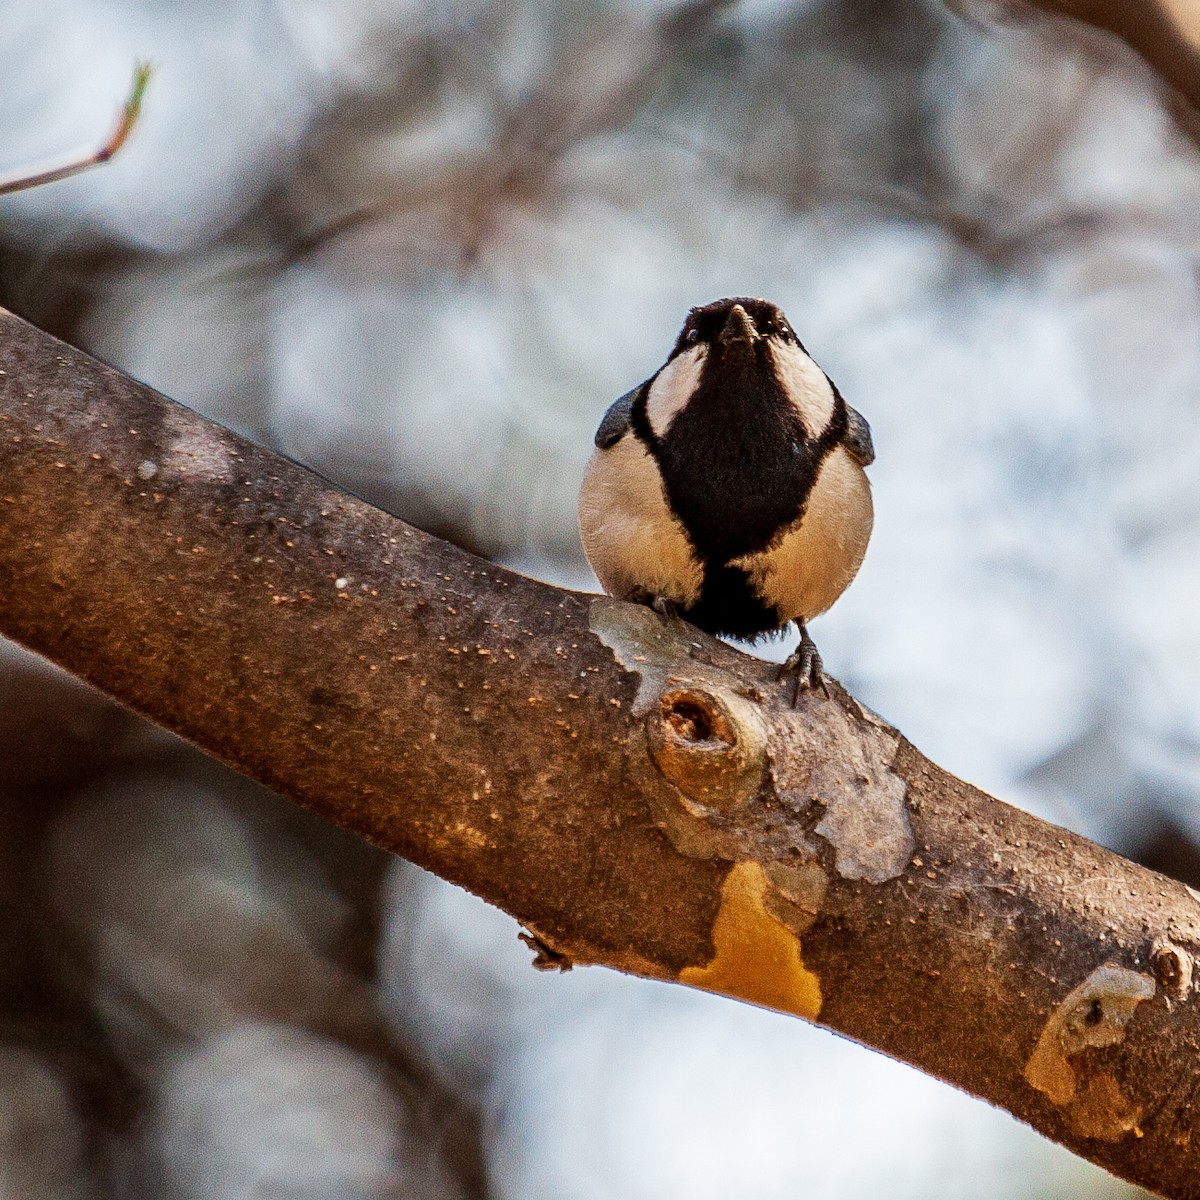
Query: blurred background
(420, 246)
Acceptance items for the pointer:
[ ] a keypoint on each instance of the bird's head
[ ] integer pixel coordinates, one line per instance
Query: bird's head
(742, 352)
(736, 325)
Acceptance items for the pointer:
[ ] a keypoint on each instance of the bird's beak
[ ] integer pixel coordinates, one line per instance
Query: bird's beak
(738, 327)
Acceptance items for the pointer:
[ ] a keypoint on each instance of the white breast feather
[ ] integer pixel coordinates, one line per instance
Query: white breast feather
(803, 572)
(631, 539)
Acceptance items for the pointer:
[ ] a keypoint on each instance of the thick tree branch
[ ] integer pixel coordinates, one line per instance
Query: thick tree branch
(636, 794)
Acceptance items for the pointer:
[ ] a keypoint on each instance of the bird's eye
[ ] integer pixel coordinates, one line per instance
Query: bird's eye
(693, 336)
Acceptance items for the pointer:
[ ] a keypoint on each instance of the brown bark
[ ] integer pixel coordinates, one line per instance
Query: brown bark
(637, 794)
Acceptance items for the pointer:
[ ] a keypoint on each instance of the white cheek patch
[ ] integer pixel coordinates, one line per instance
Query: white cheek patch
(673, 387)
(805, 385)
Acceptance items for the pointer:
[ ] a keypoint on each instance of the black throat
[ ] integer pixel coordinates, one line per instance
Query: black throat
(737, 463)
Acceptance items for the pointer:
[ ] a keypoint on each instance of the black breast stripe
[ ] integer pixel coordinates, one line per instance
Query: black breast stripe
(735, 461)
(730, 606)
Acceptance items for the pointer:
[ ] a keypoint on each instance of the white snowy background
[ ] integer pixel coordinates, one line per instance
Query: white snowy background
(420, 245)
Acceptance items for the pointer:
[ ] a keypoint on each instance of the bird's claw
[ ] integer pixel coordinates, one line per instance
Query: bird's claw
(665, 608)
(804, 667)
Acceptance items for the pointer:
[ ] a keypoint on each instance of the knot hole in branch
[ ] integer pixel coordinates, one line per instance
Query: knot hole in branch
(710, 743)
(692, 720)
(1172, 968)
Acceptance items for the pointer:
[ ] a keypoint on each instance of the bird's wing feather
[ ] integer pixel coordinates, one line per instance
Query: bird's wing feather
(615, 424)
(858, 437)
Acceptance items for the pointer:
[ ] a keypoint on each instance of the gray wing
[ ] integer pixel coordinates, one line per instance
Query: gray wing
(857, 439)
(615, 424)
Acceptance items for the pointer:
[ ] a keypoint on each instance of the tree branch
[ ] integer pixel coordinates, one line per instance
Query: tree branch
(1159, 31)
(30, 177)
(637, 794)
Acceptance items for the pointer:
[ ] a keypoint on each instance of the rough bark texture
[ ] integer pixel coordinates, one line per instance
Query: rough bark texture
(636, 794)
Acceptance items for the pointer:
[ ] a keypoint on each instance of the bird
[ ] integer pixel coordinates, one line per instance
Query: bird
(729, 488)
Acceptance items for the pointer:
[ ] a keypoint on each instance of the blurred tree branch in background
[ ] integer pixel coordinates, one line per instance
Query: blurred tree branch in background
(1166, 33)
(638, 795)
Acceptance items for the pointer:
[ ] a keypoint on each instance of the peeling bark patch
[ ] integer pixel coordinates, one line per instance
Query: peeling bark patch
(1094, 1014)
(796, 893)
(757, 957)
(845, 766)
(192, 448)
(651, 646)
(1101, 1111)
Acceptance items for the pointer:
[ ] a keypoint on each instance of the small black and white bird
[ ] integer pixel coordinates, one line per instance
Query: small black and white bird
(729, 487)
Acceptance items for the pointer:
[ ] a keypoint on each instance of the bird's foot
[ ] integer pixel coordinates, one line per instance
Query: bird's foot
(665, 608)
(804, 668)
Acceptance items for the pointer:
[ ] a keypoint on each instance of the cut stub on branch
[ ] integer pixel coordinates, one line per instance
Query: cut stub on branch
(637, 794)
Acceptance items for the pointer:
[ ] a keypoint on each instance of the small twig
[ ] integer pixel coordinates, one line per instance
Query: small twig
(19, 181)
